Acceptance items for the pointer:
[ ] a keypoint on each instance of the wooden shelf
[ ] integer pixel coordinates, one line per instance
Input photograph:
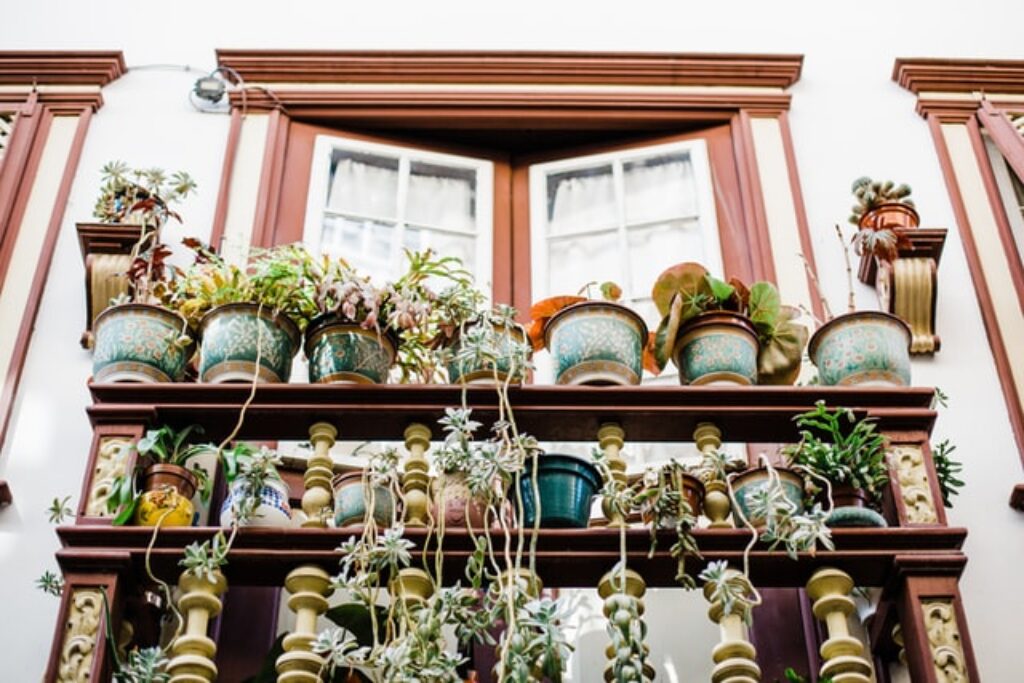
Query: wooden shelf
(285, 411)
(565, 557)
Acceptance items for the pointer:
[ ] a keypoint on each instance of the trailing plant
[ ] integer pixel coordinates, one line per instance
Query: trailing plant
(204, 560)
(871, 194)
(730, 589)
(143, 665)
(946, 471)
(165, 446)
(247, 470)
(661, 500)
(488, 337)
(834, 444)
(783, 523)
(687, 290)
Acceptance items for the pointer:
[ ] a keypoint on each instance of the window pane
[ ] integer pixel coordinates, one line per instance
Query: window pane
(659, 187)
(442, 196)
(364, 243)
(654, 248)
(581, 200)
(443, 243)
(573, 263)
(364, 184)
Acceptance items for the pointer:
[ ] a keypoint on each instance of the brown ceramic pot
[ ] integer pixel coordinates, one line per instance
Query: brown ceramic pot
(158, 476)
(844, 495)
(890, 215)
(452, 492)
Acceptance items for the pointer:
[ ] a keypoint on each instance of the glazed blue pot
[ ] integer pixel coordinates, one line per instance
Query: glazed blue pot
(862, 348)
(461, 371)
(717, 348)
(596, 342)
(138, 343)
(344, 353)
(567, 485)
(273, 510)
(745, 484)
(351, 496)
(228, 349)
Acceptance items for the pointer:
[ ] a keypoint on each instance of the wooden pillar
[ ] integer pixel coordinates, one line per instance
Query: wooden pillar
(735, 657)
(416, 477)
(318, 499)
(716, 493)
(611, 438)
(79, 650)
(192, 652)
(633, 591)
(843, 654)
(309, 587)
(915, 486)
(934, 631)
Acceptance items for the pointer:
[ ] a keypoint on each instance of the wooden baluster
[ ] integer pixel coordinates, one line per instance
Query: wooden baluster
(318, 499)
(192, 653)
(716, 493)
(735, 657)
(843, 654)
(635, 589)
(416, 477)
(611, 438)
(309, 587)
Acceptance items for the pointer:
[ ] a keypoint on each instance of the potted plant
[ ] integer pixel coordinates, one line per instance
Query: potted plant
(250, 320)
(567, 484)
(489, 347)
(882, 205)
(750, 488)
(720, 332)
(859, 347)
(257, 496)
(137, 338)
(849, 454)
(375, 488)
(169, 481)
(592, 341)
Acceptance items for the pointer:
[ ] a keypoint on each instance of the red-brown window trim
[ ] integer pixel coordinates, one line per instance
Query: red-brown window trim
(45, 71)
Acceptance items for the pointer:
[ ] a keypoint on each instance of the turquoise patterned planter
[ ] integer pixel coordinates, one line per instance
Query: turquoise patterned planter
(351, 496)
(866, 347)
(745, 484)
(343, 353)
(596, 342)
(470, 372)
(717, 348)
(136, 343)
(228, 349)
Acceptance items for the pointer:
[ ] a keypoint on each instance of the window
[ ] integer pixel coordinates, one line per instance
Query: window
(6, 127)
(1011, 191)
(369, 202)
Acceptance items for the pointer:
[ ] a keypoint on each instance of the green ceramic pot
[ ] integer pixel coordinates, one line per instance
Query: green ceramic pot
(351, 497)
(863, 348)
(344, 353)
(228, 349)
(596, 342)
(745, 484)
(567, 485)
(484, 372)
(717, 348)
(136, 343)
(851, 508)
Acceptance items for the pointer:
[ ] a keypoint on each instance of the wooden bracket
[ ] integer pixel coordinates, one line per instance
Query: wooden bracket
(106, 250)
(908, 285)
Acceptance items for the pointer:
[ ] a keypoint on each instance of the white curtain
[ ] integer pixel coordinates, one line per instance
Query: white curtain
(441, 201)
(364, 189)
(659, 189)
(582, 202)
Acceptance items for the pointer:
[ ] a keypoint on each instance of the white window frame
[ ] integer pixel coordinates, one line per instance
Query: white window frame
(706, 216)
(316, 201)
(1004, 177)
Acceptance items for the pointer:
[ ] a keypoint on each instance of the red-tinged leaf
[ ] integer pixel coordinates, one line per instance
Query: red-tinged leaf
(611, 291)
(651, 364)
(535, 332)
(545, 308)
(688, 279)
(741, 295)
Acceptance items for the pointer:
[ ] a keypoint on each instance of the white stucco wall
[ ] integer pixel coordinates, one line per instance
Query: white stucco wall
(848, 119)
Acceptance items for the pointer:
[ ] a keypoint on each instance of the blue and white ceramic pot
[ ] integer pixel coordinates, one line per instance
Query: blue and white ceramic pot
(746, 484)
(344, 353)
(596, 342)
(462, 371)
(139, 343)
(351, 496)
(862, 348)
(229, 345)
(717, 348)
(273, 510)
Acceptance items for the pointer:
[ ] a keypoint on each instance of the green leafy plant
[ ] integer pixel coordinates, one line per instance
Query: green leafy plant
(687, 290)
(730, 589)
(145, 665)
(165, 446)
(793, 677)
(871, 194)
(947, 471)
(59, 510)
(124, 187)
(204, 560)
(784, 524)
(51, 583)
(835, 445)
(660, 500)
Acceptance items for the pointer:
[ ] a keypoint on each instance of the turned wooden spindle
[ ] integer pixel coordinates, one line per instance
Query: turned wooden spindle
(716, 493)
(318, 499)
(635, 589)
(308, 587)
(193, 652)
(843, 654)
(735, 657)
(413, 587)
(416, 477)
(610, 438)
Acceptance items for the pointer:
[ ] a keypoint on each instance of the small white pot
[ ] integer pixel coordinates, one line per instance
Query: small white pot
(273, 510)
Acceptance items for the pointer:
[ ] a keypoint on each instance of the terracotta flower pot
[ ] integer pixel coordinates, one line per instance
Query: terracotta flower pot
(344, 353)
(691, 489)
(745, 484)
(138, 343)
(229, 345)
(167, 497)
(453, 500)
(862, 348)
(890, 215)
(596, 342)
(472, 372)
(351, 496)
(717, 348)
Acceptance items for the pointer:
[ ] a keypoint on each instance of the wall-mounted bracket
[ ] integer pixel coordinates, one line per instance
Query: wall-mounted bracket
(908, 285)
(106, 250)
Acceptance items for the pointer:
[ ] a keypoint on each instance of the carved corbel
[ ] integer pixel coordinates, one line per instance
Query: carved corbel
(907, 286)
(106, 250)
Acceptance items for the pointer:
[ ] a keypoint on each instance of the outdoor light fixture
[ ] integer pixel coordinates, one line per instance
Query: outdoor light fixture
(210, 88)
